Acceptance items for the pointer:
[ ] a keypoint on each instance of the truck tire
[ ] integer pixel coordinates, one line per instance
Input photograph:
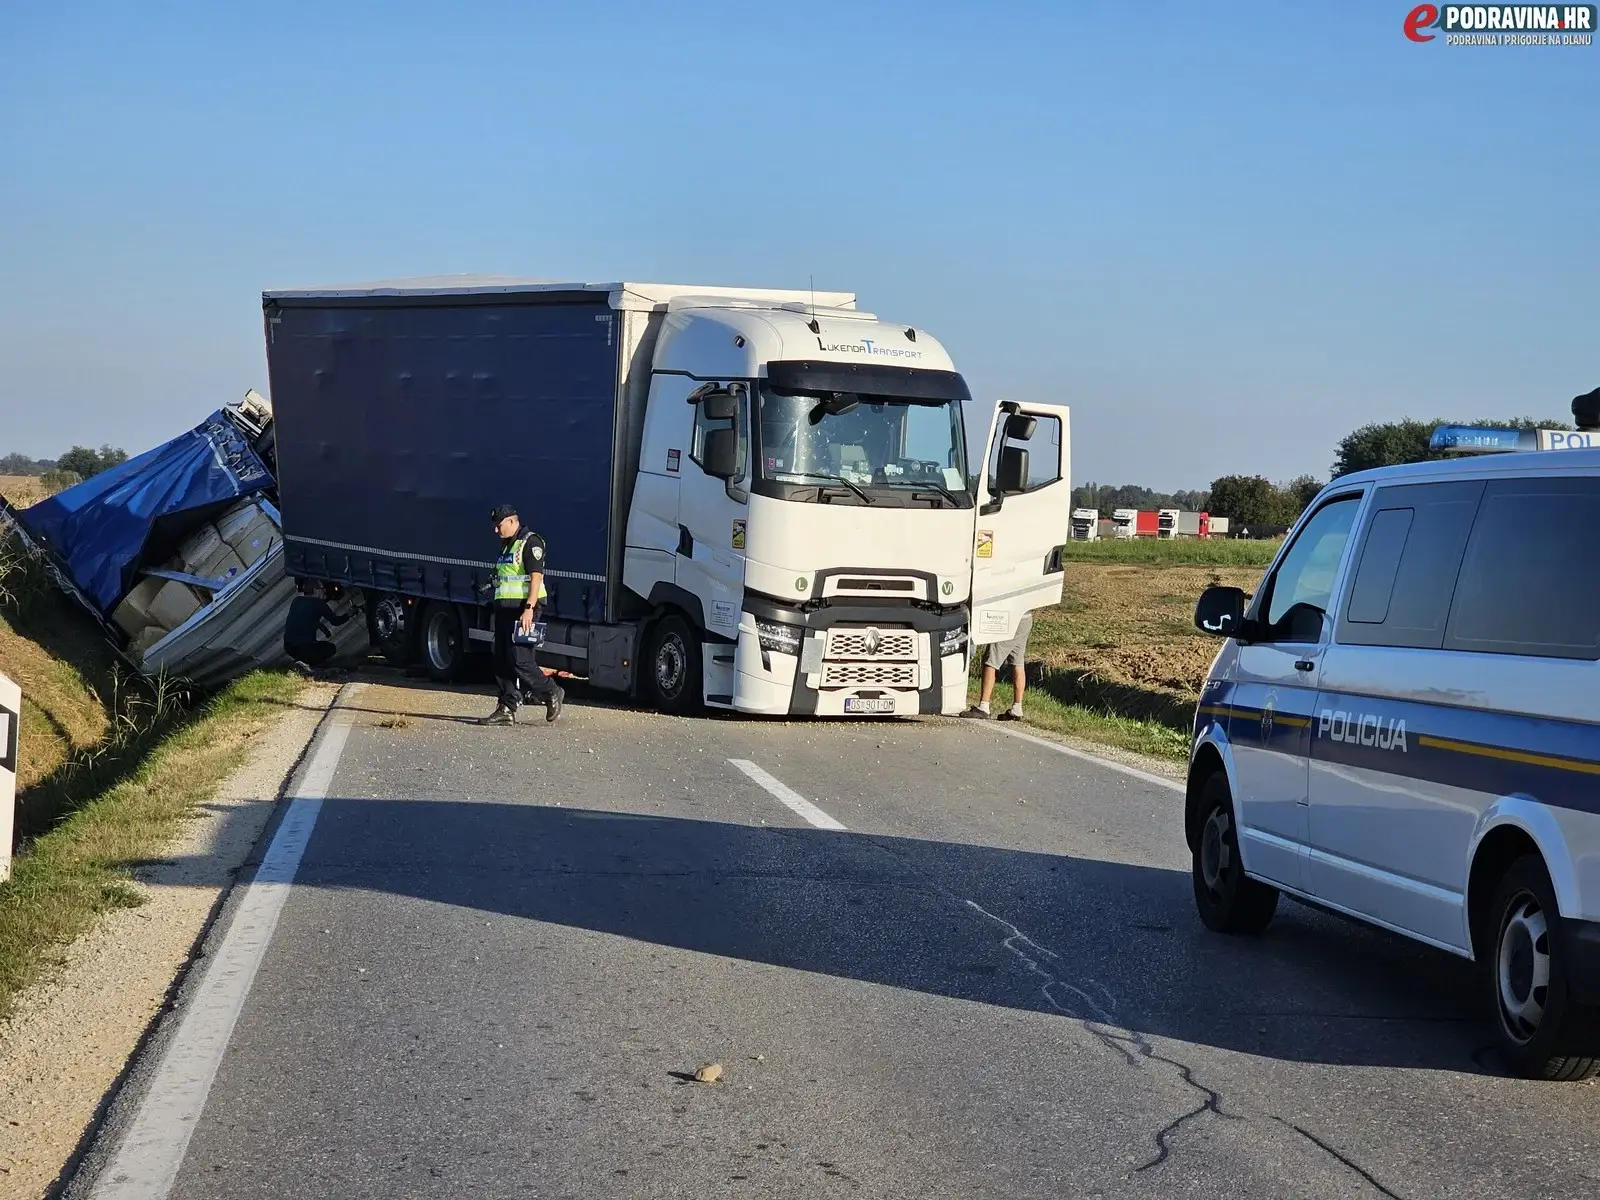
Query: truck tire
(1229, 901)
(1541, 1032)
(389, 625)
(443, 641)
(672, 670)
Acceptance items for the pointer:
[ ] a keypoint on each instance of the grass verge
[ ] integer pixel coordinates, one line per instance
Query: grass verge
(1103, 724)
(1175, 552)
(110, 766)
(127, 807)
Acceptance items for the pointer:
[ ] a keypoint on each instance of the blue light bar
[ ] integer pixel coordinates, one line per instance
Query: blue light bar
(1471, 439)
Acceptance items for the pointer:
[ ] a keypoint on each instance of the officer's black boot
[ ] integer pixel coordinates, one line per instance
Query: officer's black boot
(553, 705)
(502, 715)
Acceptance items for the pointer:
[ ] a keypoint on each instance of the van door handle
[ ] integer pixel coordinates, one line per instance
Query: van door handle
(1305, 664)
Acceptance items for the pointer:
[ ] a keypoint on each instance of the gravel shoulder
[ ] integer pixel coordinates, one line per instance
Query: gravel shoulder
(71, 1037)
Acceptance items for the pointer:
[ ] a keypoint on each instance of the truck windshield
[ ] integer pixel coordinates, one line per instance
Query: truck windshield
(862, 449)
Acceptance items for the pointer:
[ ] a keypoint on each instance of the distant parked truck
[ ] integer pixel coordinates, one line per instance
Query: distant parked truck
(1220, 527)
(1085, 524)
(1132, 523)
(1177, 523)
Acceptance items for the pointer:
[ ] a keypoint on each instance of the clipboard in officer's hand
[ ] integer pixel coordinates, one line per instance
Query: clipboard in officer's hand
(534, 637)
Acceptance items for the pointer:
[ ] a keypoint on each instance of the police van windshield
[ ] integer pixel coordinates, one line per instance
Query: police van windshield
(861, 449)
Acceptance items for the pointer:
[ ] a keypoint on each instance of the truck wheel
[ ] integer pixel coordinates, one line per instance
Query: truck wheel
(1541, 1032)
(443, 642)
(674, 677)
(389, 625)
(1229, 901)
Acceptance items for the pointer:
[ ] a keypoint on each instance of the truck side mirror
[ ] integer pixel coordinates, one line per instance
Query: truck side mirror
(1020, 427)
(1011, 478)
(1220, 611)
(719, 402)
(720, 454)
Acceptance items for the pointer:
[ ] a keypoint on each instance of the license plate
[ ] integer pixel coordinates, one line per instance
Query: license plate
(859, 704)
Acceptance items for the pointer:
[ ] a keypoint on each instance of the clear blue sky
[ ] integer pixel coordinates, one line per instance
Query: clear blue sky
(1226, 234)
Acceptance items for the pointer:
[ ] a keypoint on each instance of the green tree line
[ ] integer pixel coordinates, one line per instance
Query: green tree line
(76, 465)
(1257, 500)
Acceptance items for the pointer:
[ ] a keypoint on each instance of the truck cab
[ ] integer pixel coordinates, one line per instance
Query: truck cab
(1085, 524)
(807, 505)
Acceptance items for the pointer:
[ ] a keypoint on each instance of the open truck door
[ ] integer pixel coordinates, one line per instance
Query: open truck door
(1024, 515)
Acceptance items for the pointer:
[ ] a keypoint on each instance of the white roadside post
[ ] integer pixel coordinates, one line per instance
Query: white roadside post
(10, 732)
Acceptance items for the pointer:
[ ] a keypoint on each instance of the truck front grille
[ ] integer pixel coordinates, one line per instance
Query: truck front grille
(863, 674)
(888, 644)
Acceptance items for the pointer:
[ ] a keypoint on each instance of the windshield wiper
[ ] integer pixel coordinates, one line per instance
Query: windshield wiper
(929, 485)
(841, 479)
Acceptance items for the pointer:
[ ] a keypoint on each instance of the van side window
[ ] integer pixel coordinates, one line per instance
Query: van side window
(1300, 592)
(1407, 564)
(1531, 577)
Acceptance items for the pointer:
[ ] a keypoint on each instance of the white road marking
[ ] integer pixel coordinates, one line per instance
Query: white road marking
(787, 796)
(1110, 764)
(146, 1164)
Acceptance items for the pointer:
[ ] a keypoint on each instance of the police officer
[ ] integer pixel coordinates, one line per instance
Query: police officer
(519, 593)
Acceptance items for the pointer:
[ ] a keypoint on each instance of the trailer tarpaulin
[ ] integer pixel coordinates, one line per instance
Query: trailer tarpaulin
(100, 528)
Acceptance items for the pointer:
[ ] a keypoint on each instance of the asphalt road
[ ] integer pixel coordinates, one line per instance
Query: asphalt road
(507, 949)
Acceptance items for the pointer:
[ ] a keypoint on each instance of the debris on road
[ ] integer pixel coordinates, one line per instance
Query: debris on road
(710, 1073)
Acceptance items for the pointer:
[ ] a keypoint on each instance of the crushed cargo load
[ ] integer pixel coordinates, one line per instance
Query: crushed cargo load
(178, 552)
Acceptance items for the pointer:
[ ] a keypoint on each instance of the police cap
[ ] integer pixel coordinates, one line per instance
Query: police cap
(503, 511)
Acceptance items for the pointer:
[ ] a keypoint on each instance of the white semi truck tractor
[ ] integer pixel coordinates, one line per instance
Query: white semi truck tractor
(754, 500)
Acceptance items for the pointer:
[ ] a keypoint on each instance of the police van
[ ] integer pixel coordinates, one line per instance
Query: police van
(1403, 726)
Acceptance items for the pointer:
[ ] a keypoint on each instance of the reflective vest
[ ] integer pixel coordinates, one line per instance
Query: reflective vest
(511, 583)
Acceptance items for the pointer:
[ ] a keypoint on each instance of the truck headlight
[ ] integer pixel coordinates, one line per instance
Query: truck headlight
(783, 638)
(952, 640)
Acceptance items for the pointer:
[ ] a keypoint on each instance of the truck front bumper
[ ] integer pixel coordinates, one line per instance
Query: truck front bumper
(819, 680)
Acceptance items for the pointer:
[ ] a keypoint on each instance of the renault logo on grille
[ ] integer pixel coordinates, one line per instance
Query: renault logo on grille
(874, 640)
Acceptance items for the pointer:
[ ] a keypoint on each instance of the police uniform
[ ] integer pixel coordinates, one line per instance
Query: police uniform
(516, 664)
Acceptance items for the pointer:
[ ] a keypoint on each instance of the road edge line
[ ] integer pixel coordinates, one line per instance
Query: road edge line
(146, 1162)
(788, 797)
(1172, 785)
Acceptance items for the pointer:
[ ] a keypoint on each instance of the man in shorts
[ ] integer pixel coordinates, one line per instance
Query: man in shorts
(998, 654)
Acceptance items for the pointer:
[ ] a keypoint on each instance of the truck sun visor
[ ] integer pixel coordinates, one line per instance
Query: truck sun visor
(804, 377)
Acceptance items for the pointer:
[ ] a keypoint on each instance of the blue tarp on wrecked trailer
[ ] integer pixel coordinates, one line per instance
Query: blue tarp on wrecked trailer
(102, 528)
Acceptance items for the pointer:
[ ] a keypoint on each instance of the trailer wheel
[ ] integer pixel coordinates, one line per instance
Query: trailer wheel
(444, 645)
(389, 625)
(673, 674)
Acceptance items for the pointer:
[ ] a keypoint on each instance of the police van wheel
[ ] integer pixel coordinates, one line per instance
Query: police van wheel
(673, 666)
(443, 642)
(1229, 901)
(1541, 1032)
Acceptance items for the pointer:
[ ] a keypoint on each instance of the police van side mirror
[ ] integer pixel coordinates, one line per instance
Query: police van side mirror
(1220, 612)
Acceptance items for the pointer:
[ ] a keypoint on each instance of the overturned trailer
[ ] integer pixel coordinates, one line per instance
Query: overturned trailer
(178, 553)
